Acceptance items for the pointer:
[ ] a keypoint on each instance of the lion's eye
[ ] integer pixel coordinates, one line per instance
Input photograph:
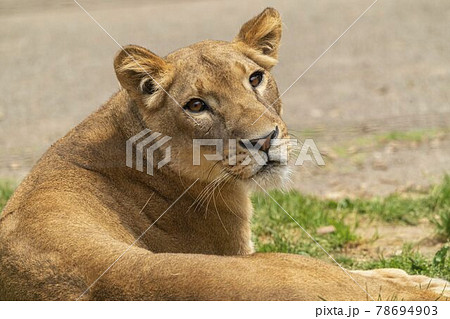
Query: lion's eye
(196, 106)
(256, 78)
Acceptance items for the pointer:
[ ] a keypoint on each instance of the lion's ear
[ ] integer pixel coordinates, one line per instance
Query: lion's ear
(262, 34)
(140, 70)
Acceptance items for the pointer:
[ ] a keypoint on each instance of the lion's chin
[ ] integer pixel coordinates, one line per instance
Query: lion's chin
(270, 176)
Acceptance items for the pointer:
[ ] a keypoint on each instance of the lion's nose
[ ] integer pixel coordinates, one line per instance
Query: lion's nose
(264, 142)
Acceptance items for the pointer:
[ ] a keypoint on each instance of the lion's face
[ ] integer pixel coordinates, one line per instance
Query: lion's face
(219, 93)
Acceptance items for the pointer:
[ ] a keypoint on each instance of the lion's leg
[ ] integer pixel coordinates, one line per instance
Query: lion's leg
(140, 274)
(400, 278)
(98, 274)
(89, 264)
(30, 273)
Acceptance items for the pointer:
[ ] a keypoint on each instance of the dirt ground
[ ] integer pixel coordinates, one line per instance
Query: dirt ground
(387, 240)
(390, 72)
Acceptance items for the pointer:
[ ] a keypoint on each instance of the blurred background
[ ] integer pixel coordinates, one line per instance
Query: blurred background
(377, 104)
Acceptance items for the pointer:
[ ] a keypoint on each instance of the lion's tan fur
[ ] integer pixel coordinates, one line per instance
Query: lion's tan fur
(81, 208)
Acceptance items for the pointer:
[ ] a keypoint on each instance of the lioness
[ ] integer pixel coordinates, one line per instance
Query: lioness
(84, 225)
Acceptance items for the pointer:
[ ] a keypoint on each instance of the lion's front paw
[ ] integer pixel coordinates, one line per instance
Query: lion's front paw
(439, 286)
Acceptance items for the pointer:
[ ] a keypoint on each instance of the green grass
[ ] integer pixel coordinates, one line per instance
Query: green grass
(408, 136)
(275, 231)
(439, 203)
(417, 136)
(6, 190)
(369, 141)
(413, 263)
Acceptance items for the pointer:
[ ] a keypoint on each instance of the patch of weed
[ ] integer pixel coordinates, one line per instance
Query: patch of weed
(6, 190)
(414, 263)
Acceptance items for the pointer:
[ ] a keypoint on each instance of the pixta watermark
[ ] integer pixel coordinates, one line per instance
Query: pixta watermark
(144, 145)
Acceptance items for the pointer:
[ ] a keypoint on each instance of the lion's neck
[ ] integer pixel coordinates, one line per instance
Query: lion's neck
(212, 222)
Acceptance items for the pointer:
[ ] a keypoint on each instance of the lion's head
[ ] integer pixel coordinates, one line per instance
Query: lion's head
(215, 90)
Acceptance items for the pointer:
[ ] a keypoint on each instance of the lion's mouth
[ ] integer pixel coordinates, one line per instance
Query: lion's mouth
(270, 168)
(270, 165)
